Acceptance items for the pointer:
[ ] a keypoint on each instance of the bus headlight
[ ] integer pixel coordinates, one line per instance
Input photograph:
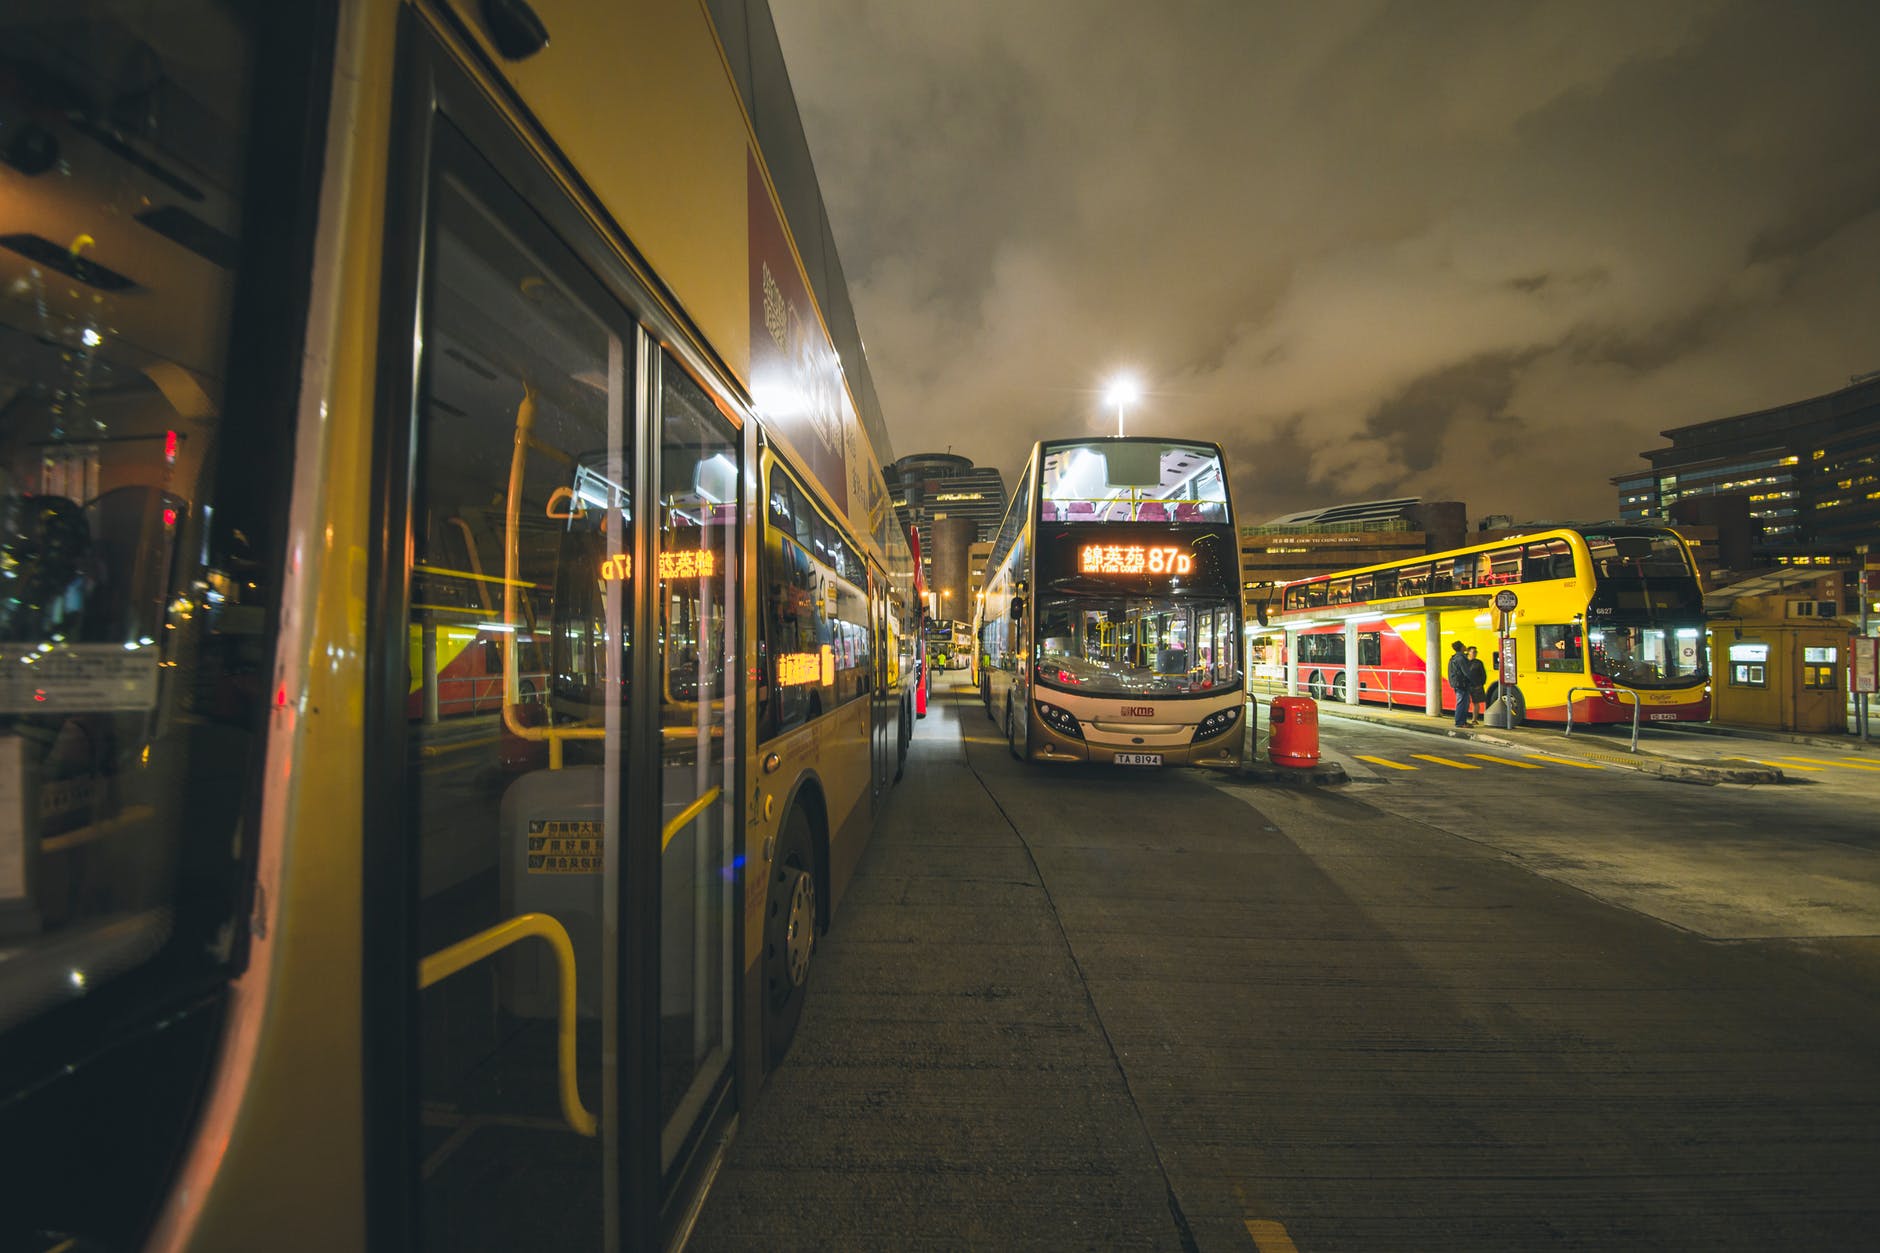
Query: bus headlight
(1220, 722)
(1060, 720)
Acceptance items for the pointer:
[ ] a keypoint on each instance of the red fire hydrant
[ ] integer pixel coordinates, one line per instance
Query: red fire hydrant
(1293, 736)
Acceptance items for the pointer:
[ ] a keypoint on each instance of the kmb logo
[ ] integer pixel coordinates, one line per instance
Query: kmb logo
(1139, 711)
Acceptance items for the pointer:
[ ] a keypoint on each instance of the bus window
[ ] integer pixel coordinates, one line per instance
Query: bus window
(1504, 566)
(1363, 588)
(1548, 559)
(1315, 594)
(1558, 649)
(1384, 585)
(1462, 571)
(1370, 648)
(1414, 580)
(1325, 647)
(1338, 592)
(1442, 578)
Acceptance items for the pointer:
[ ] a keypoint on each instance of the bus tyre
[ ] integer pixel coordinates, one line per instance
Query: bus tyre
(1509, 713)
(1315, 684)
(789, 934)
(1011, 729)
(1338, 689)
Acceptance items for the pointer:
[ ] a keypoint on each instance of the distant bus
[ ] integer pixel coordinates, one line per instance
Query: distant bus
(1110, 625)
(1598, 609)
(949, 644)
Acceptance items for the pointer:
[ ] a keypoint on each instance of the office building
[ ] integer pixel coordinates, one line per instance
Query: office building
(1807, 472)
(943, 487)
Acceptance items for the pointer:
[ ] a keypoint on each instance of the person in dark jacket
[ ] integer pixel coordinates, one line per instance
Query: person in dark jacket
(1478, 688)
(1459, 682)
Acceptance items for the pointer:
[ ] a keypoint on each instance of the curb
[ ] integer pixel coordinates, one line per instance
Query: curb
(1681, 771)
(1325, 774)
(1844, 742)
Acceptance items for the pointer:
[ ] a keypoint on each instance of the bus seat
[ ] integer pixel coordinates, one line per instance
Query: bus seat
(1082, 511)
(1188, 511)
(1152, 511)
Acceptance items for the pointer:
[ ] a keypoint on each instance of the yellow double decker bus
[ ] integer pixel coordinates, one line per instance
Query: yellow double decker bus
(454, 639)
(1603, 619)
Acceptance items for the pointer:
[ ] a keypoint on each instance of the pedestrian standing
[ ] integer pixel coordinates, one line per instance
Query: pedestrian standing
(1459, 682)
(1478, 687)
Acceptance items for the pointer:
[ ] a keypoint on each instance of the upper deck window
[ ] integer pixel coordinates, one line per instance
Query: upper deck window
(1132, 480)
(1648, 554)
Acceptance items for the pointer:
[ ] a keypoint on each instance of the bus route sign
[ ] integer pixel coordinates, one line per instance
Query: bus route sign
(1506, 600)
(1864, 652)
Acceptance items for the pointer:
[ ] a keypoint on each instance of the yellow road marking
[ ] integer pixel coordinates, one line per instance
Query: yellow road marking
(1460, 765)
(1567, 761)
(1845, 765)
(1269, 1236)
(1503, 761)
(1379, 761)
(1757, 761)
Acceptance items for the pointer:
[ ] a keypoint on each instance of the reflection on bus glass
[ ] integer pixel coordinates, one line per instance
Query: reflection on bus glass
(687, 564)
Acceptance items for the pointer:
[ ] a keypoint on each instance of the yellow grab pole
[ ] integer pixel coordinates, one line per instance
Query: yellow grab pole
(468, 952)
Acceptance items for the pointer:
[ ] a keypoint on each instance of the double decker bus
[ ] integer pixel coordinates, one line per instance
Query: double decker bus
(1605, 618)
(454, 643)
(949, 644)
(1109, 630)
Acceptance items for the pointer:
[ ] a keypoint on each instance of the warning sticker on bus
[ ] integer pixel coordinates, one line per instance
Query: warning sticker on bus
(565, 847)
(80, 678)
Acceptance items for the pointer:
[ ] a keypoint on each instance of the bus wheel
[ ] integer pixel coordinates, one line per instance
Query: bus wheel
(789, 934)
(1315, 684)
(1338, 689)
(1509, 713)
(1011, 729)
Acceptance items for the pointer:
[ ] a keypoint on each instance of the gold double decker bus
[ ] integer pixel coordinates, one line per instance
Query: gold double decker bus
(1109, 629)
(454, 639)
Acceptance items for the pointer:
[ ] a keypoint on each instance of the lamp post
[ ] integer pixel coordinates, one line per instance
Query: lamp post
(1123, 391)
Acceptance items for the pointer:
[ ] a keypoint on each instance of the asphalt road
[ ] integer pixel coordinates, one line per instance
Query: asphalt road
(1438, 1008)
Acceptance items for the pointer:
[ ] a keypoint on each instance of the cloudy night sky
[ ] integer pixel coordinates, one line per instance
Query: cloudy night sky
(1465, 251)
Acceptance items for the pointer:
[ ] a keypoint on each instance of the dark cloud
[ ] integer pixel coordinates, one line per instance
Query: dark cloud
(1429, 247)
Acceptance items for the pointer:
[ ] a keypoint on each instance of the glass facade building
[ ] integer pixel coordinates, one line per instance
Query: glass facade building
(1809, 472)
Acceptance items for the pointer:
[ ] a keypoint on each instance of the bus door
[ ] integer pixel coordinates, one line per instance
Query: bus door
(564, 882)
(698, 570)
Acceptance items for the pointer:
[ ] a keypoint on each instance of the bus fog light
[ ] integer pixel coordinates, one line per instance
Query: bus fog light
(1060, 720)
(1218, 723)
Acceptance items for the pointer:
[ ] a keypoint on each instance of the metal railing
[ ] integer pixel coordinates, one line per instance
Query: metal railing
(1333, 672)
(1608, 692)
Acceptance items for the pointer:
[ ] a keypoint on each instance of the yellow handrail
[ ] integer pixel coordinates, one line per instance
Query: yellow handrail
(686, 815)
(554, 735)
(448, 961)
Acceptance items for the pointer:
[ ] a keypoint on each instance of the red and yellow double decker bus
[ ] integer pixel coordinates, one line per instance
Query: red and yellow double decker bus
(1605, 618)
(454, 639)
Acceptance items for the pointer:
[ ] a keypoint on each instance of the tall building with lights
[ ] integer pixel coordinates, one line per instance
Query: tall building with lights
(1808, 472)
(942, 487)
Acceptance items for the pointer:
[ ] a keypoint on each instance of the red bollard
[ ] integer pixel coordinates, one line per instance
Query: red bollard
(1293, 738)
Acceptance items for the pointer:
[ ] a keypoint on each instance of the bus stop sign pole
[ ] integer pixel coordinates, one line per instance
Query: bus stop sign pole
(1505, 601)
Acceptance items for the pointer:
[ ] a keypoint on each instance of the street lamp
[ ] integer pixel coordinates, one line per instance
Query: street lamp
(1123, 391)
